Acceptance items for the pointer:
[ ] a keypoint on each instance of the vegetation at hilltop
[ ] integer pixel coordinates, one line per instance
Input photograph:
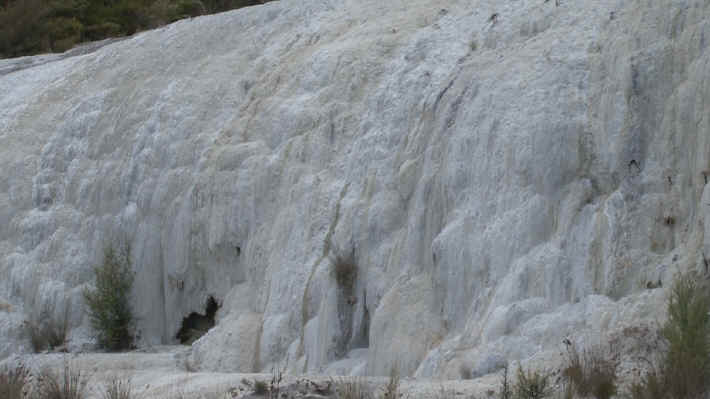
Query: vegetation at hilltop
(39, 26)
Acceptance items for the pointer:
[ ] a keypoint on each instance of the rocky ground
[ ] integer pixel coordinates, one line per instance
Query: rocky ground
(164, 373)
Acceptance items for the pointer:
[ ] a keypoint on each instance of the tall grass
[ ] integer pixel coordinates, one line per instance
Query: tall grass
(49, 335)
(69, 384)
(12, 382)
(531, 384)
(116, 388)
(590, 373)
(355, 388)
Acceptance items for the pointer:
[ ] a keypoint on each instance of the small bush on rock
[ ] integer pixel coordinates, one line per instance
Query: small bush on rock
(108, 305)
(345, 271)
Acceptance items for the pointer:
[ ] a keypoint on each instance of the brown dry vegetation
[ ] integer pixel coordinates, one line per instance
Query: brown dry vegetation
(12, 382)
(116, 388)
(590, 373)
(70, 383)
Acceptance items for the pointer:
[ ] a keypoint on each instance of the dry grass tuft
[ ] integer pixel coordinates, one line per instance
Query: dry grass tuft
(70, 384)
(590, 373)
(117, 388)
(391, 390)
(531, 384)
(12, 382)
(355, 388)
(48, 336)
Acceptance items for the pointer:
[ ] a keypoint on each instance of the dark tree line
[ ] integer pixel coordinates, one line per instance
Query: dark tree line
(38, 26)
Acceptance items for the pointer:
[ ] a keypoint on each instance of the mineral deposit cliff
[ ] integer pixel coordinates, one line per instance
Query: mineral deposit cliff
(503, 174)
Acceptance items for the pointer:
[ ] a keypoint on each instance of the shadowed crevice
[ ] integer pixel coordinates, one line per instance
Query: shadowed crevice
(196, 325)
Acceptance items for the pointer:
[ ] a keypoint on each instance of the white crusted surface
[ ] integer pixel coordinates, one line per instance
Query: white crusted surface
(501, 184)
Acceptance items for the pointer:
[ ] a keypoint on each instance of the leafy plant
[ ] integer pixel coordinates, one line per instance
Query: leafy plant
(109, 308)
(35, 26)
(683, 370)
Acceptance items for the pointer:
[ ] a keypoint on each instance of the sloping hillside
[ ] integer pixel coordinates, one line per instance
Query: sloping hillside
(501, 174)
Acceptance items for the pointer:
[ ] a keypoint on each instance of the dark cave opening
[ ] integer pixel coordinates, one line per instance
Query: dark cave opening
(196, 325)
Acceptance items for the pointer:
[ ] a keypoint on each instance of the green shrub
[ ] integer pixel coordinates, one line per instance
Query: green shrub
(22, 30)
(70, 384)
(591, 373)
(64, 33)
(190, 8)
(108, 305)
(687, 330)
(12, 382)
(683, 370)
(224, 5)
(531, 384)
(101, 30)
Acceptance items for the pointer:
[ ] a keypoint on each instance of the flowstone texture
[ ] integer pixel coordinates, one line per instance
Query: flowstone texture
(505, 174)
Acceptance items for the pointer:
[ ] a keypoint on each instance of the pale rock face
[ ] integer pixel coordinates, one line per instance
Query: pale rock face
(500, 183)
